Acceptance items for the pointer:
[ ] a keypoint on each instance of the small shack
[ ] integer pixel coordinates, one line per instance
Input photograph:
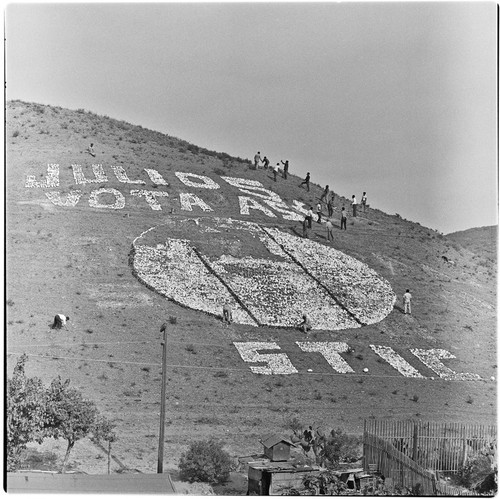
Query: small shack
(277, 448)
(275, 472)
(274, 478)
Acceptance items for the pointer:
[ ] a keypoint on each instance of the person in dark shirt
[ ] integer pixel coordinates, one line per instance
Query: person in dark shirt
(305, 325)
(306, 181)
(285, 168)
(325, 194)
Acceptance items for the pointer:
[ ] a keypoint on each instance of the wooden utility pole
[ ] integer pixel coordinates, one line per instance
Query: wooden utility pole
(163, 395)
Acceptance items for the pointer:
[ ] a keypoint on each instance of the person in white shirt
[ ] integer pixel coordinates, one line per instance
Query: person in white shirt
(275, 171)
(60, 321)
(343, 219)
(318, 212)
(354, 206)
(363, 201)
(407, 301)
(256, 160)
(329, 230)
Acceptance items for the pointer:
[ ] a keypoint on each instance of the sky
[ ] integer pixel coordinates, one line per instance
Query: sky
(398, 99)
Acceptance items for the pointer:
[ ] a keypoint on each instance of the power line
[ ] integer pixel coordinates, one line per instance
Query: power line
(236, 369)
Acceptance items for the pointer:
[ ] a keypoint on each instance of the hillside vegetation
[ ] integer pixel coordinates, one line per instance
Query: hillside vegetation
(77, 260)
(483, 241)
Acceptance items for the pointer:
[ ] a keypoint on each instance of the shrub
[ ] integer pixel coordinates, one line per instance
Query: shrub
(205, 461)
(294, 424)
(15, 134)
(340, 447)
(479, 473)
(191, 349)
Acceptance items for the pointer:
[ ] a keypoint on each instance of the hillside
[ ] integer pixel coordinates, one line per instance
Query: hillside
(93, 242)
(483, 241)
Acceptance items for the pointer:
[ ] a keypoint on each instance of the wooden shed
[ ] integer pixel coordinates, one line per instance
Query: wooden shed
(277, 448)
(273, 478)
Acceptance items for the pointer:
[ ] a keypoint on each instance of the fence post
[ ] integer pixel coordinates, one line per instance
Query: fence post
(415, 440)
(434, 484)
(464, 448)
(365, 447)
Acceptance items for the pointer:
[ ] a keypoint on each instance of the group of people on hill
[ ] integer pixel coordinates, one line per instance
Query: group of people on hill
(265, 161)
(328, 196)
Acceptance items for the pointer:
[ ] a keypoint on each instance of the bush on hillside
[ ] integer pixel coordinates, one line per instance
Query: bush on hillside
(479, 473)
(205, 461)
(341, 447)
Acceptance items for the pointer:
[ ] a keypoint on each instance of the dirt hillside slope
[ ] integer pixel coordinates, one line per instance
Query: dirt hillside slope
(482, 241)
(72, 242)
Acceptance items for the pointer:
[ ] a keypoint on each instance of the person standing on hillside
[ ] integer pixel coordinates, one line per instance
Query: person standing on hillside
(407, 301)
(325, 194)
(227, 314)
(275, 171)
(329, 205)
(318, 212)
(266, 162)
(256, 160)
(310, 216)
(285, 168)
(363, 201)
(343, 219)
(306, 181)
(91, 151)
(329, 230)
(305, 228)
(354, 206)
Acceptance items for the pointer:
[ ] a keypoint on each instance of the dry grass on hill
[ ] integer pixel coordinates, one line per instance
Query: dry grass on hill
(75, 260)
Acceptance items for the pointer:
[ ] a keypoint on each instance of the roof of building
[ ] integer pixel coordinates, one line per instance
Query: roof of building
(273, 439)
(77, 482)
(281, 466)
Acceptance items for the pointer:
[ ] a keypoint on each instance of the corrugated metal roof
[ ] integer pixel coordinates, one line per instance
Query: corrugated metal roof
(119, 483)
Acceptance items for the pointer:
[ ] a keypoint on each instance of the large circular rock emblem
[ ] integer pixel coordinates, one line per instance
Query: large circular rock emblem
(269, 277)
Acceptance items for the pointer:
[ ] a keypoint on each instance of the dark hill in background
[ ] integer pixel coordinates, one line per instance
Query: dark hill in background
(75, 260)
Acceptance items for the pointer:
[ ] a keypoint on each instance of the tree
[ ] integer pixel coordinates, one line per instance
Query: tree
(70, 416)
(205, 461)
(103, 431)
(26, 413)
